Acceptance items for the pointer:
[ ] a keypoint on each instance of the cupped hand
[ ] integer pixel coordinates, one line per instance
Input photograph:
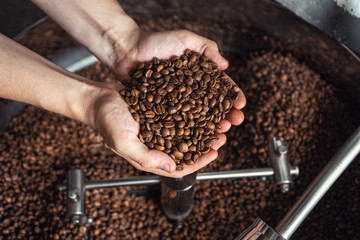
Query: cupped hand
(120, 130)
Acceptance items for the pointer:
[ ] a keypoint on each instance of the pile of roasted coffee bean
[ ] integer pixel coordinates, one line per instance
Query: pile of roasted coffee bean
(179, 104)
(39, 147)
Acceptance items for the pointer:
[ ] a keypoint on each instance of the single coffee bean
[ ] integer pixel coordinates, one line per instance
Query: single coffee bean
(172, 110)
(183, 147)
(165, 132)
(162, 91)
(136, 117)
(178, 154)
(149, 114)
(147, 135)
(180, 132)
(169, 124)
(196, 157)
(177, 117)
(189, 162)
(181, 124)
(159, 147)
(160, 140)
(168, 144)
(179, 167)
(155, 127)
(156, 75)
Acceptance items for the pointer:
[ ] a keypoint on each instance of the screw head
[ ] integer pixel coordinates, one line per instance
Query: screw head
(73, 195)
(75, 219)
(285, 188)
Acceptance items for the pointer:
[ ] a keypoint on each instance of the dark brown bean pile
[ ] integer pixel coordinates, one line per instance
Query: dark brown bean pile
(179, 104)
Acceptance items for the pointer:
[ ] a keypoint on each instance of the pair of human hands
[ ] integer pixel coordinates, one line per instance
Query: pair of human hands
(111, 115)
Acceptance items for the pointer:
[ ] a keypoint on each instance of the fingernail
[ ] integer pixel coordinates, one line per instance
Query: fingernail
(165, 167)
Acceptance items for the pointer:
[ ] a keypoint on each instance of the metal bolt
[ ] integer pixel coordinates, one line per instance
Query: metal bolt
(282, 148)
(73, 195)
(75, 219)
(284, 188)
(84, 220)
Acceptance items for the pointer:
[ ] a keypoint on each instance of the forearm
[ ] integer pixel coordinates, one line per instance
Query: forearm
(101, 26)
(27, 77)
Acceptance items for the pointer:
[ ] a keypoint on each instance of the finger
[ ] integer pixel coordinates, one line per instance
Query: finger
(225, 125)
(240, 100)
(220, 142)
(211, 51)
(235, 117)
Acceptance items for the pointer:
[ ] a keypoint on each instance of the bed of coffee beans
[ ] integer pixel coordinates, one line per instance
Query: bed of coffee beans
(284, 98)
(179, 104)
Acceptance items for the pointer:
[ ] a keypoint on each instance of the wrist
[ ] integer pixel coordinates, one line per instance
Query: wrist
(120, 38)
(101, 26)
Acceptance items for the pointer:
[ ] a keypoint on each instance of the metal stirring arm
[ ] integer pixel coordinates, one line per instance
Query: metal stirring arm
(77, 185)
(308, 200)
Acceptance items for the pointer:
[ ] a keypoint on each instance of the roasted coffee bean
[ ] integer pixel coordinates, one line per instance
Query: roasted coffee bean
(180, 132)
(148, 73)
(187, 156)
(195, 157)
(183, 147)
(179, 167)
(170, 87)
(205, 150)
(162, 91)
(147, 135)
(185, 107)
(165, 132)
(172, 110)
(172, 131)
(193, 148)
(159, 147)
(150, 98)
(181, 124)
(177, 117)
(208, 142)
(149, 114)
(136, 116)
(178, 154)
(168, 144)
(169, 124)
(160, 140)
(189, 162)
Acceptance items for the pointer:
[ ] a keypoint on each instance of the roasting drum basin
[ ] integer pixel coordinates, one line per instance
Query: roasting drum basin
(254, 25)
